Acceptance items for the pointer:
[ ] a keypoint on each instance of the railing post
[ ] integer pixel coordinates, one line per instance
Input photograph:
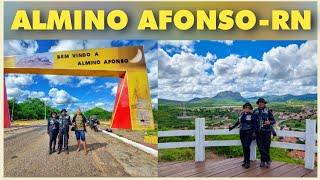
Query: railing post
(199, 139)
(310, 140)
(253, 150)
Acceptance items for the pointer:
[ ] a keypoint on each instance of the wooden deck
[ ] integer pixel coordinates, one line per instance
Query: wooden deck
(231, 168)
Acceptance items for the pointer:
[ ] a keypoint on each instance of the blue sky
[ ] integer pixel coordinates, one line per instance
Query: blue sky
(254, 49)
(241, 47)
(73, 91)
(86, 92)
(181, 70)
(190, 69)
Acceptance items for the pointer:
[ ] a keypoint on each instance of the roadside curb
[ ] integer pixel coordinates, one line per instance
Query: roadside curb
(135, 144)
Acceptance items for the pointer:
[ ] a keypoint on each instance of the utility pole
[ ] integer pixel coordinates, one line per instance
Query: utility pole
(12, 109)
(45, 111)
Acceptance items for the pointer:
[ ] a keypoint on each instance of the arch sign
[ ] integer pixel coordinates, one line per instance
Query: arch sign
(132, 107)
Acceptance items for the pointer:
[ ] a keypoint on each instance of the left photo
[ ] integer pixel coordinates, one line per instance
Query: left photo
(80, 108)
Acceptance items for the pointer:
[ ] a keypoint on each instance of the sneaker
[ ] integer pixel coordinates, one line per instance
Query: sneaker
(262, 164)
(59, 151)
(78, 149)
(243, 164)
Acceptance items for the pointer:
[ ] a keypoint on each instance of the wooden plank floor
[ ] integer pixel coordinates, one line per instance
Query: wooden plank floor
(231, 168)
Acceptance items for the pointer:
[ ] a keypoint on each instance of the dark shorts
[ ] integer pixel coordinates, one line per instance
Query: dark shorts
(80, 135)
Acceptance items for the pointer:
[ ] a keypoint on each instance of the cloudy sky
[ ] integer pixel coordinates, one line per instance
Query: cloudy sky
(189, 69)
(73, 91)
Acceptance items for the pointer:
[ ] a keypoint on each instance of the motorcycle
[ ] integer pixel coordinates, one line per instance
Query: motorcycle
(93, 123)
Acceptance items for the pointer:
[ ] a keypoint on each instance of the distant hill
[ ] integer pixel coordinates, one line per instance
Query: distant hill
(229, 95)
(222, 96)
(101, 114)
(287, 97)
(167, 101)
(235, 97)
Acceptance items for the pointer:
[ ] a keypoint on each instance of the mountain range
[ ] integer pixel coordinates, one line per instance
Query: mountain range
(229, 96)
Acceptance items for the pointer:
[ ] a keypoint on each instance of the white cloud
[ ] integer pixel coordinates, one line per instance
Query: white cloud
(227, 42)
(59, 97)
(16, 83)
(110, 85)
(184, 75)
(99, 104)
(113, 87)
(147, 44)
(292, 62)
(16, 93)
(154, 102)
(185, 45)
(19, 80)
(89, 105)
(114, 90)
(85, 81)
(46, 99)
(58, 79)
(152, 58)
(64, 45)
(105, 105)
(36, 94)
(19, 47)
(21, 95)
(282, 70)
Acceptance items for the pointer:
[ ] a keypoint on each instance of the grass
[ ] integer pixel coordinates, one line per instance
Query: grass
(151, 133)
(278, 154)
(28, 122)
(181, 154)
(294, 124)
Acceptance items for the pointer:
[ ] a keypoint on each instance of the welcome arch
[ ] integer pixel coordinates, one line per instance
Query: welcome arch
(132, 107)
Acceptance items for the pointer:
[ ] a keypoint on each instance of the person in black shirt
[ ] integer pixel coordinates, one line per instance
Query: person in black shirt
(246, 132)
(263, 121)
(64, 122)
(53, 130)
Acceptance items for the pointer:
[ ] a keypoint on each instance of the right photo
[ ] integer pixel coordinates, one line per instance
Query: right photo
(237, 108)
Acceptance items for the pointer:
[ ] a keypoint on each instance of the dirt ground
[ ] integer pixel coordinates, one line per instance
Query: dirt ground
(26, 155)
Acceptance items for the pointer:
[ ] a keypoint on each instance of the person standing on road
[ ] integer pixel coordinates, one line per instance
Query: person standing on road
(79, 123)
(64, 122)
(263, 120)
(53, 130)
(246, 132)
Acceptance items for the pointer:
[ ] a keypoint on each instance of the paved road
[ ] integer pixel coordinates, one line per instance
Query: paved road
(26, 154)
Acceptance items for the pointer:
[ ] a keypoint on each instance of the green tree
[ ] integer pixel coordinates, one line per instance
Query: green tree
(99, 112)
(31, 108)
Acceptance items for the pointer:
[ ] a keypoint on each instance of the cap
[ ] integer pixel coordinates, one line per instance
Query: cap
(247, 104)
(261, 100)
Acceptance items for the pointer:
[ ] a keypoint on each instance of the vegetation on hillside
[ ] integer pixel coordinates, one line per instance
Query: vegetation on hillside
(101, 114)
